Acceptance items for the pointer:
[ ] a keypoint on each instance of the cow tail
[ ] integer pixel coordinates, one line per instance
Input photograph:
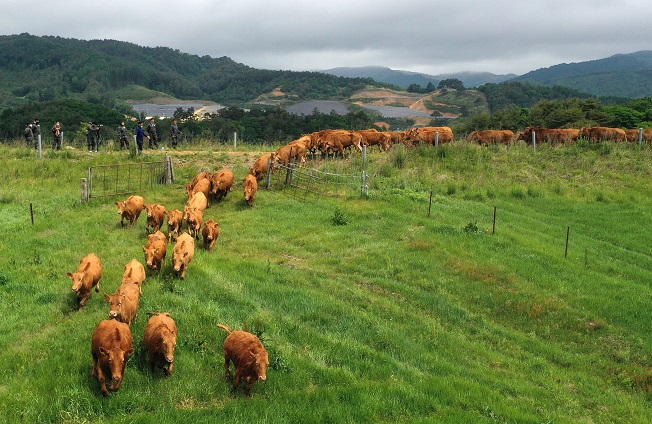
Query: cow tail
(225, 328)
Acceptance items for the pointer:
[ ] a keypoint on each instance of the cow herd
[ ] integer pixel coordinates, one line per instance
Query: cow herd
(340, 141)
(111, 342)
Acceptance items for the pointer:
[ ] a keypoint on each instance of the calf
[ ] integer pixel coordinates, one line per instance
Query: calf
(184, 251)
(134, 273)
(210, 233)
(130, 209)
(175, 219)
(155, 217)
(250, 189)
(261, 166)
(88, 275)
(161, 340)
(111, 348)
(155, 250)
(194, 218)
(124, 303)
(249, 358)
(222, 183)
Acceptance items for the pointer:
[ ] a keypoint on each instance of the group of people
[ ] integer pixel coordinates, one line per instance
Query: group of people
(33, 131)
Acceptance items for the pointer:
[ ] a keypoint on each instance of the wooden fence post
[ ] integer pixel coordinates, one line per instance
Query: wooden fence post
(84, 190)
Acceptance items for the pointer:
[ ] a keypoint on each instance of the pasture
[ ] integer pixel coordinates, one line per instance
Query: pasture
(378, 309)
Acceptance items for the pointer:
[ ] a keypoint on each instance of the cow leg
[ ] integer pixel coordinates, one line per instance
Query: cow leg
(101, 378)
(227, 371)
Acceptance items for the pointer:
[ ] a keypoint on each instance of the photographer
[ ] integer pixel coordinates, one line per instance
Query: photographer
(151, 134)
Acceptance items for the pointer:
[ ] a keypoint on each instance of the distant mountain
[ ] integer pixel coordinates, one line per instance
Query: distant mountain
(621, 75)
(35, 69)
(406, 78)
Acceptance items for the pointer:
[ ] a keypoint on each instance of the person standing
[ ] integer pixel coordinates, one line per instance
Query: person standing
(151, 134)
(92, 136)
(174, 133)
(56, 134)
(123, 136)
(140, 135)
(36, 130)
(29, 135)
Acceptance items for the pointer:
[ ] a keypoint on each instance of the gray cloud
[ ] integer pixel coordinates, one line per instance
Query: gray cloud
(433, 37)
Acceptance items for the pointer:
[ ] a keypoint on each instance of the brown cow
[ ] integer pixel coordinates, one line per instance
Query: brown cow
(175, 219)
(549, 135)
(155, 217)
(198, 200)
(124, 303)
(293, 150)
(250, 189)
(429, 135)
(161, 340)
(202, 186)
(134, 273)
(249, 357)
(372, 137)
(260, 167)
(632, 135)
(184, 251)
(196, 179)
(596, 134)
(130, 209)
(222, 183)
(210, 233)
(88, 275)
(334, 141)
(111, 348)
(155, 250)
(194, 218)
(487, 137)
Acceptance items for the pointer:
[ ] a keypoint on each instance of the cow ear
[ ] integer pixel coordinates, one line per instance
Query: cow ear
(129, 352)
(70, 275)
(144, 250)
(253, 355)
(88, 265)
(103, 351)
(107, 297)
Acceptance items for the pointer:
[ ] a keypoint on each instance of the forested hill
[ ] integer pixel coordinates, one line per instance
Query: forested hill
(107, 71)
(621, 75)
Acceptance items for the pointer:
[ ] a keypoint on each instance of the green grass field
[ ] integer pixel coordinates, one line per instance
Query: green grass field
(372, 309)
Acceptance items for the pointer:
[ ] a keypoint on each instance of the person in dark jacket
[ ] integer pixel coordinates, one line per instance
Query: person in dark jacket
(151, 134)
(29, 135)
(174, 133)
(140, 135)
(56, 134)
(123, 136)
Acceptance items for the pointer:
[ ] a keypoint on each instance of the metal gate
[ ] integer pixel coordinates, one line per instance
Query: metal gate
(127, 178)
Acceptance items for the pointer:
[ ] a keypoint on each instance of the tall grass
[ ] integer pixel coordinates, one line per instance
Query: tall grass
(393, 317)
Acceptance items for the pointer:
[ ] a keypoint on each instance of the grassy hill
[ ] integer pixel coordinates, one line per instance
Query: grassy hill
(407, 313)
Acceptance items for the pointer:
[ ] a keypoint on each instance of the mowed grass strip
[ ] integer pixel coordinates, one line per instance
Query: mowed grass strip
(395, 316)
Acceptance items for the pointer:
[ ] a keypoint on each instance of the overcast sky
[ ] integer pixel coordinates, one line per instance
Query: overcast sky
(428, 36)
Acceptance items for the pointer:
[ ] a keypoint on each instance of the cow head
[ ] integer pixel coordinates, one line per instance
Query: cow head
(77, 280)
(168, 344)
(115, 358)
(260, 363)
(115, 301)
(121, 206)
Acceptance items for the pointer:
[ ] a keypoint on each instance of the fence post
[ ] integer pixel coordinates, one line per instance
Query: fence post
(235, 140)
(62, 142)
(437, 139)
(168, 170)
(40, 147)
(640, 137)
(269, 174)
(84, 190)
(493, 230)
(534, 141)
(567, 237)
